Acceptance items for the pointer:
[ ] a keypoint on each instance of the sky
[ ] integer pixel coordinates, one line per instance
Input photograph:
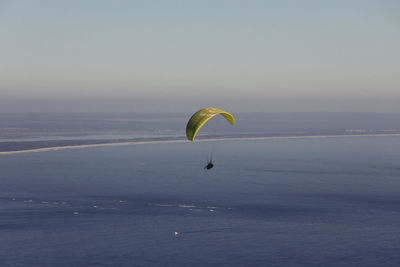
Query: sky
(262, 56)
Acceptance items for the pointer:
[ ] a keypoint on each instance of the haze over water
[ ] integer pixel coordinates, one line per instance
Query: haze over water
(180, 56)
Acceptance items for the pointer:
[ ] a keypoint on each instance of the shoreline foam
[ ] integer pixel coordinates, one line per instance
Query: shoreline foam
(44, 149)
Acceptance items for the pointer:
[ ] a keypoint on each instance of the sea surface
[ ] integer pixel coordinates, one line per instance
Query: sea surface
(283, 202)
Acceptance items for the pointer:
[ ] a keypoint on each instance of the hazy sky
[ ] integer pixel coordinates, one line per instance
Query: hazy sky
(245, 55)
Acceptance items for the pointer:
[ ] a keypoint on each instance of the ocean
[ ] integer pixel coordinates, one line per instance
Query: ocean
(278, 202)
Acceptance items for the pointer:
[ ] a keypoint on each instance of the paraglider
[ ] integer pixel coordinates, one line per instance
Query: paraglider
(199, 118)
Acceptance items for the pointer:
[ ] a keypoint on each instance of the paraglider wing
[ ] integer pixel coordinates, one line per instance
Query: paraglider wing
(201, 117)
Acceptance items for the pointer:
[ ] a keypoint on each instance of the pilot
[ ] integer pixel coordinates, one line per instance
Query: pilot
(209, 165)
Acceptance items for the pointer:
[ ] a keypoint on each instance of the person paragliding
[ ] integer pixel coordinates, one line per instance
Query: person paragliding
(209, 165)
(199, 118)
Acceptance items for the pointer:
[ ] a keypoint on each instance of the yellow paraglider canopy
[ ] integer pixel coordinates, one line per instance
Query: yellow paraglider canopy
(199, 118)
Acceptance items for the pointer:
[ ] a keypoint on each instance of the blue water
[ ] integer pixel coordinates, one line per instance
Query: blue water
(298, 202)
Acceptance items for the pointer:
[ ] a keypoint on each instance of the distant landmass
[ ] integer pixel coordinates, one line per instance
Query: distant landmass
(20, 132)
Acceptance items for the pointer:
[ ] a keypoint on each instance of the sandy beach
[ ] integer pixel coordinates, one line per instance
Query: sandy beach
(184, 140)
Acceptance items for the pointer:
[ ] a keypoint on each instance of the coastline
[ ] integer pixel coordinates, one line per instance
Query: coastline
(44, 149)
